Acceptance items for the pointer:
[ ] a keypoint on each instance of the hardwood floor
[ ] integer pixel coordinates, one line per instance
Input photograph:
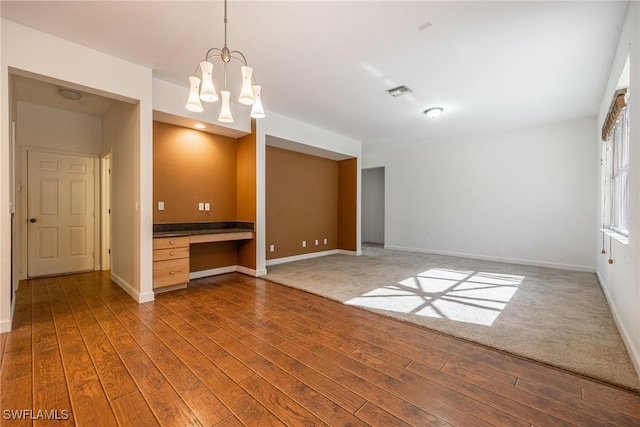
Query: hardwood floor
(234, 350)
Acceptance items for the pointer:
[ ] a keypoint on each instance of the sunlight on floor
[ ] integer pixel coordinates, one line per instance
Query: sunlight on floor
(463, 296)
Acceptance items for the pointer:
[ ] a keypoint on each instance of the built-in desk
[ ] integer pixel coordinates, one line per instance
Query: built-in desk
(206, 236)
(171, 247)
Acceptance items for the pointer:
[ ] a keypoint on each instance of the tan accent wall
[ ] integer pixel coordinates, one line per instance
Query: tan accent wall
(206, 256)
(305, 202)
(189, 167)
(347, 204)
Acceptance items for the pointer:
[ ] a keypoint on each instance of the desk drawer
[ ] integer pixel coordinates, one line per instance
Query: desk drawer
(171, 253)
(170, 242)
(171, 272)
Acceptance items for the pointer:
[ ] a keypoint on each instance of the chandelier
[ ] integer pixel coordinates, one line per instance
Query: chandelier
(249, 94)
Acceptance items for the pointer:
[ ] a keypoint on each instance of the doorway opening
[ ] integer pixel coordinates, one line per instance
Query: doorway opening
(59, 181)
(373, 205)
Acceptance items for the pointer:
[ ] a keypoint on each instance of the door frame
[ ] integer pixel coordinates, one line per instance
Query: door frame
(24, 204)
(105, 215)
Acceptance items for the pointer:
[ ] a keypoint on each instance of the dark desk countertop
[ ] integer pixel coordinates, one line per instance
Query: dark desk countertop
(197, 228)
(198, 232)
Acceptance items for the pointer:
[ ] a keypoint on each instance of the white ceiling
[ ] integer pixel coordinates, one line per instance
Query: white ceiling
(490, 65)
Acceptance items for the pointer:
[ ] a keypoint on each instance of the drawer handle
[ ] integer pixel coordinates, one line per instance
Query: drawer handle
(171, 253)
(172, 242)
(173, 272)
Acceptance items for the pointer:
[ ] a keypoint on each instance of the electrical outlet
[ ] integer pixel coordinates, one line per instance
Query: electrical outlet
(325, 241)
(316, 242)
(160, 206)
(304, 243)
(427, 240)
(207, 207)
(272, 248)
(200, 206)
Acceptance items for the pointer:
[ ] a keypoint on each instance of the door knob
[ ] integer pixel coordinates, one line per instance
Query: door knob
(33, 220)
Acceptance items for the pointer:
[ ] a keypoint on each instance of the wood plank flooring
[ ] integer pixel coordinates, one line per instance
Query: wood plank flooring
(234, 350)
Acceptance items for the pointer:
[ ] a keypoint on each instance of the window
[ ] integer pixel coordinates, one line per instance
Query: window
(616, 163)
(619, 184)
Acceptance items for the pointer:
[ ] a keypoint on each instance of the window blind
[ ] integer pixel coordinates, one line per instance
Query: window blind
(616, 107)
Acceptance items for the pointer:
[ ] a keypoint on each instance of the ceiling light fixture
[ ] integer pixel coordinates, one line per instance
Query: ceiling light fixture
(434, 112)
(249, 94)
(71, 94)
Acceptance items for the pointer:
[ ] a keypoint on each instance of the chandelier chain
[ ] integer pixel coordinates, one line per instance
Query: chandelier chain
(225, 24)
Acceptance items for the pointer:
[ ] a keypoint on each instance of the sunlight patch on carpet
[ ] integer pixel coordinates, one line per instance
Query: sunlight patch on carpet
(463, 296)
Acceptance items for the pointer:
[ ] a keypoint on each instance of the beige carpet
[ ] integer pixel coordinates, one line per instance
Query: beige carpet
(553, 316)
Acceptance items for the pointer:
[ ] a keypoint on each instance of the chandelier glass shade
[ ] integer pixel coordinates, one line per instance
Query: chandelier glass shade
(203, 89)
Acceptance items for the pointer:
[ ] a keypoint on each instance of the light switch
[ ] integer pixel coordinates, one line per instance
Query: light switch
(272, 248)
(160, 206)
(207, 207)
(200, 206)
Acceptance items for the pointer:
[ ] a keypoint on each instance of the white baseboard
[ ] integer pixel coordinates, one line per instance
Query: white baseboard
(345, 252)
(146, 297)
(223, 270)
(300, 257)
(213, 272)
(250, 271)
(5, 326)
(634, 353)
(557, 266)
(169, 288)
(140, 298)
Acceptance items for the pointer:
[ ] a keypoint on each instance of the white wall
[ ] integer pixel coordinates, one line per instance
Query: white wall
(38, 55)
(527, 196)
(621, 280)
(45, 127)
(7, 227)
(372, 160)
(120, 132)
(373, 205)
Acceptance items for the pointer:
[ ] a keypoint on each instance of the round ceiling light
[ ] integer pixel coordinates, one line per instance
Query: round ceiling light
(434, 112)
(71, 94)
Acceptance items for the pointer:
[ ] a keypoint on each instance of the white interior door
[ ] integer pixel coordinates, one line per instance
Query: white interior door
(60, 213)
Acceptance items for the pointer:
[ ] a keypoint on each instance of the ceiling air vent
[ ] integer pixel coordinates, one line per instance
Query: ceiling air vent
(399, 91)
